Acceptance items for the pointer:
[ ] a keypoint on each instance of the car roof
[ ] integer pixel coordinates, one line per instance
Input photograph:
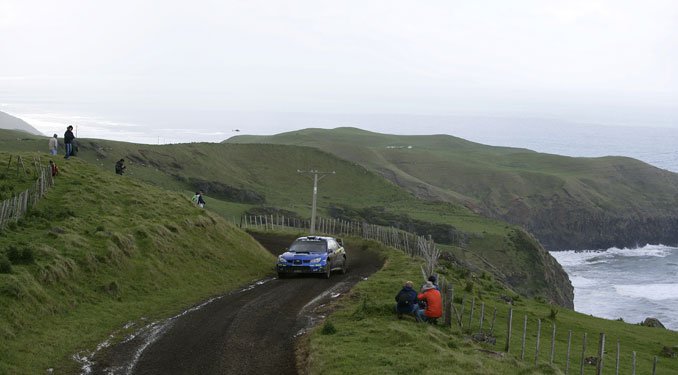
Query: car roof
(315, 238)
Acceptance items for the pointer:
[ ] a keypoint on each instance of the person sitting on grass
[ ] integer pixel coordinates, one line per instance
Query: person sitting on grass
(434, 303)
(53, 168)
(406, 300)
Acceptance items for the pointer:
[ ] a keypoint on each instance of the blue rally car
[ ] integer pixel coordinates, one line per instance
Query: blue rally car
(313, 254)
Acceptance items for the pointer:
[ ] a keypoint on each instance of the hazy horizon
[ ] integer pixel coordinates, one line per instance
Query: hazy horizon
(170, 71)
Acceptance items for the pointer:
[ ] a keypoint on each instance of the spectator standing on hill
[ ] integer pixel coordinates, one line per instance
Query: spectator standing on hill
(195, 198)
(53, 145)
(68, 141)
(406, 300)
(53, 168)
(120, 167)
(434, 303)
(201, 201)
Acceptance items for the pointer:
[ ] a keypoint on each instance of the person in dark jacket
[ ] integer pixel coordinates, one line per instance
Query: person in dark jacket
(120, 167)
(434, 280)
(201, 201)
(68, 141)
(406, 300)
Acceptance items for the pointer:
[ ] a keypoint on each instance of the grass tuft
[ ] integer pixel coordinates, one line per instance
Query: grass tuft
(328, 328)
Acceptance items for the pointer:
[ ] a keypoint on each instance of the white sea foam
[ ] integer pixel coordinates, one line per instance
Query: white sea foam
(570, 258)
(582, 282)
(653, 292)
(660, 251)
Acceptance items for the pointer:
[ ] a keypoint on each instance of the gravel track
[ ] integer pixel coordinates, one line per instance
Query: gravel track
(251, 331)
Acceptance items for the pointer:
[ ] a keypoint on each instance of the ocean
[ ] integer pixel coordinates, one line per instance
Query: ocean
(631, 284)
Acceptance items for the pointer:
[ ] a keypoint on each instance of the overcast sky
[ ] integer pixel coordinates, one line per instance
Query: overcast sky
(125, 69)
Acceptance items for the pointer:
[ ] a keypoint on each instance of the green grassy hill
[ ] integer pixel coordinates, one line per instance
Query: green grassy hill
(100, 251)
(239, 178)
(363, 336)
(566, 202)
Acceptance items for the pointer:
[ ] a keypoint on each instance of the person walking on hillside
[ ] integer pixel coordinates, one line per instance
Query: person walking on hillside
(53, 145)
(68, 141)
(201, 201)
(120, 167)
(195, 198)
(406, 300)
(434, 303)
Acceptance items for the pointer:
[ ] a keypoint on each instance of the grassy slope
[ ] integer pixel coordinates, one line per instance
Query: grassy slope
(370, 340)
(541, 191)
(108, 250)
(272, 171)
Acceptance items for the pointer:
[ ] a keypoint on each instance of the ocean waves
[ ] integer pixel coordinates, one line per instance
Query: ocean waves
(579, 257)
(631, 284)
(652, 292)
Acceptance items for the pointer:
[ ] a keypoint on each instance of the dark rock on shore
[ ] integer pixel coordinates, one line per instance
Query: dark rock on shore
(652, 322)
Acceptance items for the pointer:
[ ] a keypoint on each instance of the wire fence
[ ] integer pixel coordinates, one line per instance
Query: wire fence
(571, 352)
(14, 208)
(410, 243)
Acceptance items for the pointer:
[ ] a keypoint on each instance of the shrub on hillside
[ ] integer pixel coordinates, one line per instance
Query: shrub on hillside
(5, 265)
(20, 255)
(328, 328)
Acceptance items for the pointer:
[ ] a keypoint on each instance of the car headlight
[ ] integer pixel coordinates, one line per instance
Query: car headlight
(316, 260)
(282, 260)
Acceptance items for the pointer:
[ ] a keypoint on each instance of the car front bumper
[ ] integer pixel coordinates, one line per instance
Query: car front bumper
(320, 268)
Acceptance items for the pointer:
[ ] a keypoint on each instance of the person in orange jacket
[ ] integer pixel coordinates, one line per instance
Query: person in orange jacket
(434, 303)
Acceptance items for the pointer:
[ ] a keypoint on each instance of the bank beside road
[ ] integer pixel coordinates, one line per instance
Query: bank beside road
(252, 331)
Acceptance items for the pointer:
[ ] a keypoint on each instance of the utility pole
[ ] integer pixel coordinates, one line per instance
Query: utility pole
(315, 174)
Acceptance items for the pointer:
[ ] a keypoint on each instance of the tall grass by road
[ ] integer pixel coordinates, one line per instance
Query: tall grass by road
(100, 251)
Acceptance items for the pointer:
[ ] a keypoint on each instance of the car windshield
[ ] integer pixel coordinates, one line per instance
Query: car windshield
(309, 247)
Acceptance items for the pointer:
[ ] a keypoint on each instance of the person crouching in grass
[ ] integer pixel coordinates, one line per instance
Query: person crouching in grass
(406, 300)
(434, 303)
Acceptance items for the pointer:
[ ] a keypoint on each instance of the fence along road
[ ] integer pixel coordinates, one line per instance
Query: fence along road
(415, 245)
(13, 209)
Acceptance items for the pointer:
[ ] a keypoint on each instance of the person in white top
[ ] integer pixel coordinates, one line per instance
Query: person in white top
(53, 145)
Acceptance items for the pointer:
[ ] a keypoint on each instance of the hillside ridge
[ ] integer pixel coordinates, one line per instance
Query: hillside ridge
(566, 202)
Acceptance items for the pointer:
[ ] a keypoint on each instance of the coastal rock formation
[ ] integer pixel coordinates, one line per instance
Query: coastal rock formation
(652, 322)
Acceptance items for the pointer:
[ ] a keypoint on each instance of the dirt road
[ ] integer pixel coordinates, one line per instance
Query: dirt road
(251, 331)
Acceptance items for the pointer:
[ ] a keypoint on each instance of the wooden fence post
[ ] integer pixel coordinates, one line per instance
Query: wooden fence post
(583, 356)
(522, 351)
(482, 316)
(470, 316)
(616, 366)
(601, 352)
(567, 356)
(446, 305)
(553, 343)
(536, 352)
(633, 363)
(509, 329)
(461, 313)
(654, 366)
